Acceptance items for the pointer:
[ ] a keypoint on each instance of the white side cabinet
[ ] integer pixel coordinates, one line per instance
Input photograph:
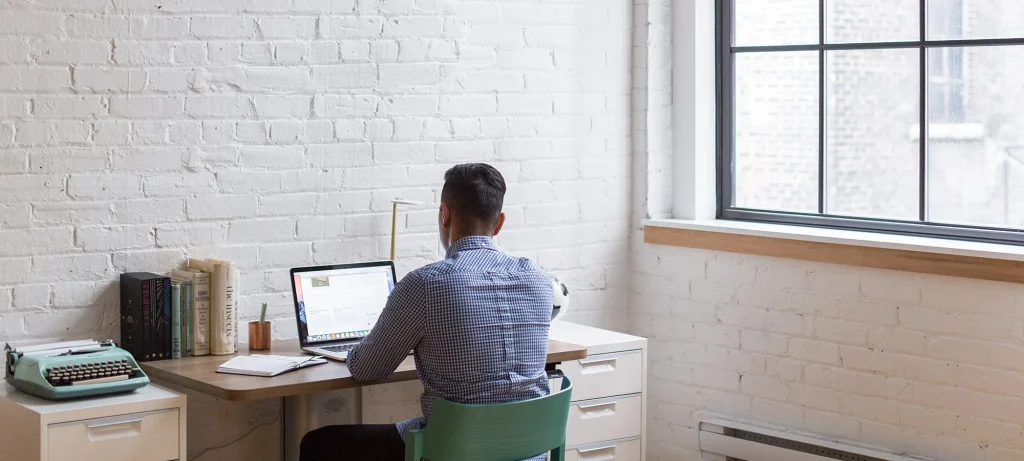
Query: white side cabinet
(145, 425)
(608, 416)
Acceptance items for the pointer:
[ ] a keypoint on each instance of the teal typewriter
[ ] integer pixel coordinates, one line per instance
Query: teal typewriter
(71, 370)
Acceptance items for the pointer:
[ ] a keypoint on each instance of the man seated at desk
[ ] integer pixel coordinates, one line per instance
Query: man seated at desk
(477, 322)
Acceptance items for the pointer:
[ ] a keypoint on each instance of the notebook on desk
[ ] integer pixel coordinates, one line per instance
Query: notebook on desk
(267, 365)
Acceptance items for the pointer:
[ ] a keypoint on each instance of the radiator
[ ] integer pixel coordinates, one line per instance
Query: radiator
(729, 441)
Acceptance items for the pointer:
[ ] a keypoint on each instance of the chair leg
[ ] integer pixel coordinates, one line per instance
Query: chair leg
(558, 454)
(414, 445)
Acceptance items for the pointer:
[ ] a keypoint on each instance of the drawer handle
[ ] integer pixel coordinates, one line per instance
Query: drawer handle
(597, 410)
(115, 423)
(114, 428)
(603, 365)
(597, 454)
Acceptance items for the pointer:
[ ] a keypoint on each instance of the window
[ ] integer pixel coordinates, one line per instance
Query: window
(900, 116)
(946, 74)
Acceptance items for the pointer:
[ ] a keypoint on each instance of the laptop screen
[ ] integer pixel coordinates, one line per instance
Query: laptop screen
(341, 303)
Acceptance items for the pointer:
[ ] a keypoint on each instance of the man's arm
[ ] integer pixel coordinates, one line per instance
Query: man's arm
(397, 331)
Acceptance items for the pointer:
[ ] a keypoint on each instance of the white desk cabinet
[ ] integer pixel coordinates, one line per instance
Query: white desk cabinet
(608, 416)
(145, 425)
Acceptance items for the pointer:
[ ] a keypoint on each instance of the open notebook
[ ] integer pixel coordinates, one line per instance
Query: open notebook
(267, 365)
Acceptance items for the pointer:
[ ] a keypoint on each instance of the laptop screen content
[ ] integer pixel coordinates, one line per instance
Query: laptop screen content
(341, 304)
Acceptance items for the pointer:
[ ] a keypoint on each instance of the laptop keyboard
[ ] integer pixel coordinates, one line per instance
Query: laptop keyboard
(341, 348)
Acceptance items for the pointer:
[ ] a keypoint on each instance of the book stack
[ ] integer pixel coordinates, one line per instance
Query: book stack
(145, 330)
(188, 312)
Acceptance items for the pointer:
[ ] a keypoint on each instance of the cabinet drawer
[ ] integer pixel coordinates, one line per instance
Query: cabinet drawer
(613, 418)
(149, 436)
(619, 450)
(605, 375)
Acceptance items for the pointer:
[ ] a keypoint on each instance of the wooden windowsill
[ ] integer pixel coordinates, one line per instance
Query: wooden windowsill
(1003, 263)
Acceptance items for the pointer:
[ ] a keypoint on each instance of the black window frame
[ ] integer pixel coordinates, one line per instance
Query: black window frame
(725, 87)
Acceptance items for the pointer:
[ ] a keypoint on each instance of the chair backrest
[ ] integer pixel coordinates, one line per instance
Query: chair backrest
(497, 432)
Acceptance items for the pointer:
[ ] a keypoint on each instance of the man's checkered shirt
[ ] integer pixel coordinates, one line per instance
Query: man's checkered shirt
(478, 323)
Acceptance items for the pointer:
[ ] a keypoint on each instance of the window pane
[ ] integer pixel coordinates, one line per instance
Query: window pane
(776, 131)
(975, 169)
(945, 85)
(872, 20)
(945, 19)
(761, 22)
(955, 19)
(872, 155)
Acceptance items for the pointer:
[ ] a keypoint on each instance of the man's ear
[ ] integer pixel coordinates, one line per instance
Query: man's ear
(446, 216)
(501, 222)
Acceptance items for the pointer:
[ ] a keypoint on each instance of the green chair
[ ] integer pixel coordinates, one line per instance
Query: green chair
(500, 432)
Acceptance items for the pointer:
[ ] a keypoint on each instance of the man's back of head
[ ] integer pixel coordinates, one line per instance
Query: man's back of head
(471, 202)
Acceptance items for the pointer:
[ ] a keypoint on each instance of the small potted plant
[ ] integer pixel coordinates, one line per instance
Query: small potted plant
(259, 332)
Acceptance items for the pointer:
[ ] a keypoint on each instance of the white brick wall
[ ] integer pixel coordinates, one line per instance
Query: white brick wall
(274, 133)
(134, 134)
(651, 124)
(921, 364)
(918, 364)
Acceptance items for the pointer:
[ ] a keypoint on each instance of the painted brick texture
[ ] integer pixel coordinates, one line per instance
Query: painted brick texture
(919, 364)
(135, 134)
(923, 365)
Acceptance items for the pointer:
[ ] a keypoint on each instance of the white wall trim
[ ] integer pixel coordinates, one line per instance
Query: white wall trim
(693, 85)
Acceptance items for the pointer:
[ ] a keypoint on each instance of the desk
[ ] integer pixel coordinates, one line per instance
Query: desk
(313, 397)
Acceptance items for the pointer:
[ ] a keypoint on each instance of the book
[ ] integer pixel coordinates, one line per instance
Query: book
(223, 304)
(188, 345)
(195, 305)
(175, 320)
(167, 316)
(162, 317)
(231, 294)
(267, 365)
(139, 315)
(187, 281)
(132, 331)
(147, 316)
(201, 312)
(230, 305)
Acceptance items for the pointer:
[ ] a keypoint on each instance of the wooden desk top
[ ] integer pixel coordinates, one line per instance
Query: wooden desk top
(200, 373)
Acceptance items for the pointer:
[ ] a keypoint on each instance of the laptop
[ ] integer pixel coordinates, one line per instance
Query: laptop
(336, 306)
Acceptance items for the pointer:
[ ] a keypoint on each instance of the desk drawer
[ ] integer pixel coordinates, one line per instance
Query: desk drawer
(605, 375)
(619, 450)
(613, 418)
(149, 436)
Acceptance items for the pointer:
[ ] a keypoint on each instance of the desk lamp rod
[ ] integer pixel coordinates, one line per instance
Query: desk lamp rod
(394, 220)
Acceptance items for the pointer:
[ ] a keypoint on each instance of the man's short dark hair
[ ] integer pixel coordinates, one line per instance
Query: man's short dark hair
(474, 190)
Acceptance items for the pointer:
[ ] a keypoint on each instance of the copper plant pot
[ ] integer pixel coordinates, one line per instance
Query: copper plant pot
(259, 336)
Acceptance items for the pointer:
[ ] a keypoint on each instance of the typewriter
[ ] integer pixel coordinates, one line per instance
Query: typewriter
(76, 369)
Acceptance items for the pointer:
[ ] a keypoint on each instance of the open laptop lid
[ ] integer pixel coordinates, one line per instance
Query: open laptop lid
(339, 302)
